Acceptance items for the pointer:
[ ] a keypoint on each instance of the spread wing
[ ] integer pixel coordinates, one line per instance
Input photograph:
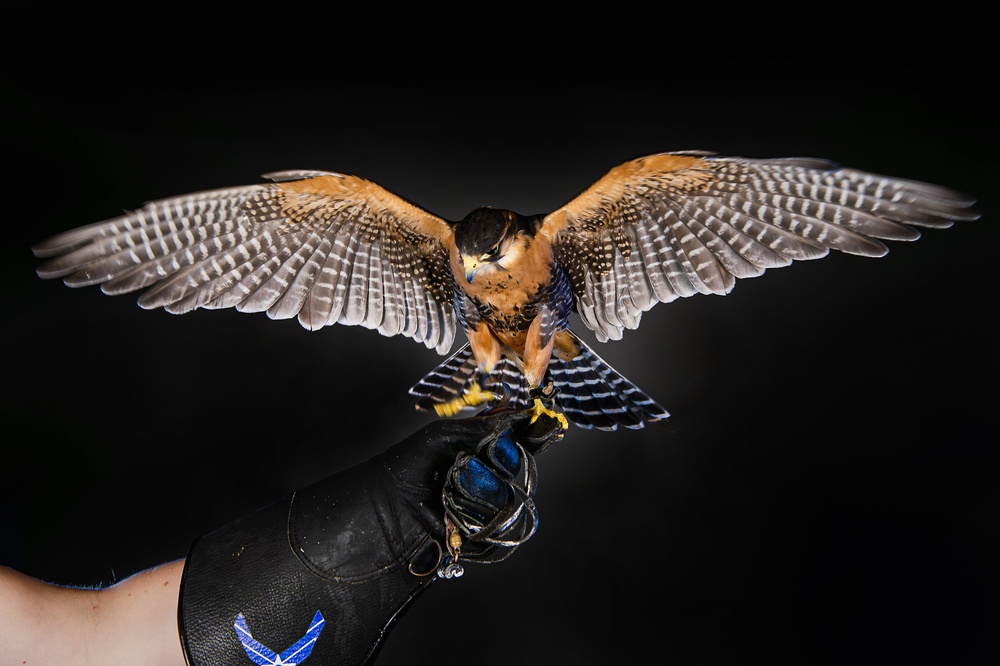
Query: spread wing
(673, 225)
(324, 247)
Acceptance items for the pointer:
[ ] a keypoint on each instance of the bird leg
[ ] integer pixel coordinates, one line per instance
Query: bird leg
(538, 346)
(486, 350)
(543, 398)
(474, 396)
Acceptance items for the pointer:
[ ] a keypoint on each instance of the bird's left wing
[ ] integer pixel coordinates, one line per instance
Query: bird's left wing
(673, 225)
(324, 247)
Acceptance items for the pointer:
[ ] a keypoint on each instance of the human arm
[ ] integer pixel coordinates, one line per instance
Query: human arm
(132, 622)
(360, 545)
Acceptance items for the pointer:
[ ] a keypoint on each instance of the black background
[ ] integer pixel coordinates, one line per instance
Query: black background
(825, 492)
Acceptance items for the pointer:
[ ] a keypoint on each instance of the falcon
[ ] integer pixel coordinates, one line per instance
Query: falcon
(331, 248)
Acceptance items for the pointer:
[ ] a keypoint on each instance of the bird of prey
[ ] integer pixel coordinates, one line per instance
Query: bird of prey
(331, 248)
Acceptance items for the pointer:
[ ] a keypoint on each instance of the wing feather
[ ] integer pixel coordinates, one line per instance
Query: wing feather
(672, 225)
(266, 262)
(288, 251)
(376, 296)
(339, 267)
(356, 300)
(130, 276)
(317, 311)
(314, 290)
(324, 247)
(288, 287)
(300, 272)
(394, 311)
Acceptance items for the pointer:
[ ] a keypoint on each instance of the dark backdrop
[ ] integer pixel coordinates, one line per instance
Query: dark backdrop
(825, 492)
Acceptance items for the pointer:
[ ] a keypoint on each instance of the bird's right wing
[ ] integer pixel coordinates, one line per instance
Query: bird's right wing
(673, 225)
(324, 247)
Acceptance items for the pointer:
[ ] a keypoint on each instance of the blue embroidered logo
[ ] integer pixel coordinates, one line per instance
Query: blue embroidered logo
(265, 656)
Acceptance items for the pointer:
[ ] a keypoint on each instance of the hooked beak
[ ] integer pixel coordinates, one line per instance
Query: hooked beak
(470, 268)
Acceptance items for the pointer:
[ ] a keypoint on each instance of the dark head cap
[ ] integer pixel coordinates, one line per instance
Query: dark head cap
(481, 230)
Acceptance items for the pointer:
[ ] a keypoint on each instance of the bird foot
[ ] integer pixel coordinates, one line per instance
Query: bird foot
(540, 409)
(473, 397)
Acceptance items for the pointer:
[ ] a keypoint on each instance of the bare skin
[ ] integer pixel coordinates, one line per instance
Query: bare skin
(133, 622)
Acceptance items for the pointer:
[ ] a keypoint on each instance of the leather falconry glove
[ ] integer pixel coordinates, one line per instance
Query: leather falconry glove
(324, 573)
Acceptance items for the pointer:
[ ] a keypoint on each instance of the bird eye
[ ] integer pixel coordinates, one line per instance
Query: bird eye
(491, 252)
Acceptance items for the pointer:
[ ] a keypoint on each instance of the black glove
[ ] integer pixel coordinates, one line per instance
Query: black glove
(325, 572)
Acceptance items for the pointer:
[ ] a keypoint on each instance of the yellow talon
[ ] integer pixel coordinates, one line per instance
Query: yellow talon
(540, 409)
(471, 398)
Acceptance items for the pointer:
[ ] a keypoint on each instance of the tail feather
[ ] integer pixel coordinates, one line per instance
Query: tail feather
(455, 376)
(589, 392)
(447, 381)
(585, 399)
(592, 394)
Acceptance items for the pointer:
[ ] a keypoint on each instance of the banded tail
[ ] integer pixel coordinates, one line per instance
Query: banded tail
(589, 392)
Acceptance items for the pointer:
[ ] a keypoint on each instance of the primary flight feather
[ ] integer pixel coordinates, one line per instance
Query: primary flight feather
(331, 248)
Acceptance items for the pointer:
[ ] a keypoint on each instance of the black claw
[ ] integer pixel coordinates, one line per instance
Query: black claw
(545, 393)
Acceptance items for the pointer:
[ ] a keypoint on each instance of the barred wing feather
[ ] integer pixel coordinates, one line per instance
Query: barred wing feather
(323, 247)
(673, 225)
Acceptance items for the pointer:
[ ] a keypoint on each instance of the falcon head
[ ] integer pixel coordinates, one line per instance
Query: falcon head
(484, 237)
